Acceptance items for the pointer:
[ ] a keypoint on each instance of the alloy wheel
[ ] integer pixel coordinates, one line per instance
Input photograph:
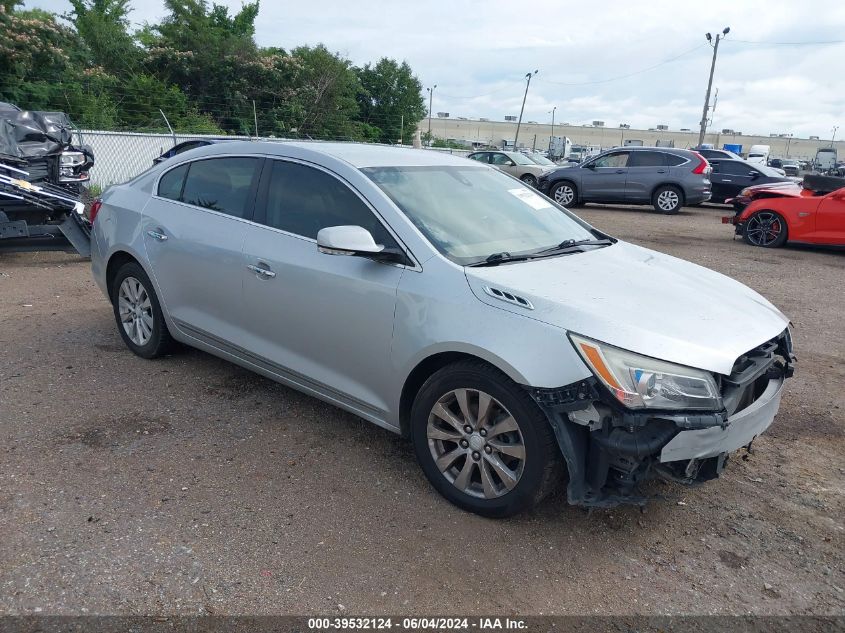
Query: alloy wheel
(136, 311)
(764, 228)
(668, 200)
(476, 443)
(564, 195)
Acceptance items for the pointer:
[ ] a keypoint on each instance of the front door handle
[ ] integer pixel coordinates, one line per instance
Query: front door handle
(158, 235)
(620, 171)
(661, 171)
(264, 273)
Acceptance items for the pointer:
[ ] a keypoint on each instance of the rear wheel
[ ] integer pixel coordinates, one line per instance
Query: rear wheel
(564, 193)
(529, 179)
(766, 229)
(138, 312)
(482, 442)
(667, 200)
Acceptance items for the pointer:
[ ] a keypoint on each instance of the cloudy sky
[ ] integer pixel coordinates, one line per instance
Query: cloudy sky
(638, 62)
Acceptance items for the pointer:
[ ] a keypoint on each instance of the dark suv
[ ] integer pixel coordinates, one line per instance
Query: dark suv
(666, 178)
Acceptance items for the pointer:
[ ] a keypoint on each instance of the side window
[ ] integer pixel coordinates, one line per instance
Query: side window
(481, 158)
(500, 159)
(221, 184)
(170, 185)
(736, 168)
(647, 159)
(302, 200)
(618, 159)
(674, 160)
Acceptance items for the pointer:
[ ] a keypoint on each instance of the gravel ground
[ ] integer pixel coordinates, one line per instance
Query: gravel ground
(189, 486)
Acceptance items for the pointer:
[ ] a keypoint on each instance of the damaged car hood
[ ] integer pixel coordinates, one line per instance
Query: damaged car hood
(30, 134)
(639, 300)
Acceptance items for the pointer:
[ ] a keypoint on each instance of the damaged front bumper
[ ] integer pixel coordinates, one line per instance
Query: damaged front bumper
(610, 450)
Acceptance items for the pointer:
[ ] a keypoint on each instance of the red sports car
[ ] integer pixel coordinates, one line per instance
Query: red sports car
(812, 214)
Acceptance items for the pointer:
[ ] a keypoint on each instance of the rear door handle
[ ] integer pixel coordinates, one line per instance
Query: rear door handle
(158, 235)
(265, 273)
(661, 171)
(620, 171)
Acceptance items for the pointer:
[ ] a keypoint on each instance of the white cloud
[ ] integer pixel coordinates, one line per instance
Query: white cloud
(478, 51)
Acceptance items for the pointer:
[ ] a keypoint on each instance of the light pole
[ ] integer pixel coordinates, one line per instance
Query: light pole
(553, 129)
(430, 99)
(528, 76)
(709, 37)
(833, 134)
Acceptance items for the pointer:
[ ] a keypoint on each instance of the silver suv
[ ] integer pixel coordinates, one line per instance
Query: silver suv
(665, 178)
(444, 300)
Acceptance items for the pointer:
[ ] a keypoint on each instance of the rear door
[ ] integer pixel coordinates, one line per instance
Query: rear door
(606, 181)
(646, 169)
(729, 177)
(193, 231)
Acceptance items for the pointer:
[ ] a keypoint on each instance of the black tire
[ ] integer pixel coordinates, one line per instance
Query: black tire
(766, 229)
(560, 189)
(541, 468)
(666, 193)
(822, 184)
(159, 341)
(529, 180)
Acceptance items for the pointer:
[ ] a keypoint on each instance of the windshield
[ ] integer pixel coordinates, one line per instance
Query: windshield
(541, 160)
(470, 213)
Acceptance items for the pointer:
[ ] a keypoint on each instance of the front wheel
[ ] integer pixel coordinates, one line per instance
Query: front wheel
(667, 200)
(564, 193)
(482, 442)
(766, 229)
(529, 180)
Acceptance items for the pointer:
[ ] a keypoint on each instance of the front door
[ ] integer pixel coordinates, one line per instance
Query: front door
(729, 177)
(503, 162)
(323, 322)
(605, 180)
(830, 219)
(193, 231)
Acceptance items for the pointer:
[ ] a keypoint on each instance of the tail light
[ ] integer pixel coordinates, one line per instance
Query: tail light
(703, 167)
(94, 210)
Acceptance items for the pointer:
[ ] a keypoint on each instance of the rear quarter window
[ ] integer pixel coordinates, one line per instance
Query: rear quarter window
(170, 185)
(674, 160)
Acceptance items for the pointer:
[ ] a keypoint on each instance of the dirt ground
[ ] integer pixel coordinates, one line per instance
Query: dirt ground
(189, 486)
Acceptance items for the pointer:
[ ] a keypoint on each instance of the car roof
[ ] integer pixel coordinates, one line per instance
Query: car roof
(642, 148)
(358, 155)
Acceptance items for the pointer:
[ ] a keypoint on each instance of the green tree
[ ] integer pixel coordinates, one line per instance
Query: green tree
(104, 27)
(391, 99)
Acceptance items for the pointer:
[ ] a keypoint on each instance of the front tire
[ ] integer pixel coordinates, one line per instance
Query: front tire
(564, 193)
(765, 229)
(529, 180)
(138, 312)
(667, 200)
(482, 442)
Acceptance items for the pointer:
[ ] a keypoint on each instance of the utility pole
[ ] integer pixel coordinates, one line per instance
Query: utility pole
(709, 37)
(553, 129)
(528, 76)
(401, 128)
(833, 134)
(430, 99)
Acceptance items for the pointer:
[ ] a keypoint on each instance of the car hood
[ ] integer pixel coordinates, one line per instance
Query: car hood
(639, 300)
(787, 189)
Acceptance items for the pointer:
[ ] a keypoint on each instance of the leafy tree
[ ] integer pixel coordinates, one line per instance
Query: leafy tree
(104, 27)
(391, 99)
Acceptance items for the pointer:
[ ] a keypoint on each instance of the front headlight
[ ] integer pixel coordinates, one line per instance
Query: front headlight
(744, 193)
(640, 382)
(71, 159)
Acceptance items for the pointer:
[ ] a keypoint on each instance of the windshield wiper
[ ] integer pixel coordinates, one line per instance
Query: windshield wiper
(566, 245)
(500, 258)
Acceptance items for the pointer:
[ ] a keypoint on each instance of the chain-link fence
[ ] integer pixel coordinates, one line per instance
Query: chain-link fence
(120, 156)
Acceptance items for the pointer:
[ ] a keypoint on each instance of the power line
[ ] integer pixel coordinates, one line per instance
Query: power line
(497, 91)
(636, 72)
(809, 43)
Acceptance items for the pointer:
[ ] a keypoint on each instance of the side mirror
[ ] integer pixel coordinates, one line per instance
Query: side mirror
(511, 163)
(590, 166)
(355, 241)
(754, 175)
(346, 240)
